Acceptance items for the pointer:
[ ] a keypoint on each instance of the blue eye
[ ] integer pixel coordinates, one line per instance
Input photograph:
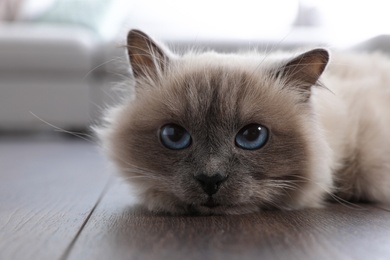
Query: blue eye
(252, 137)
(174, 137)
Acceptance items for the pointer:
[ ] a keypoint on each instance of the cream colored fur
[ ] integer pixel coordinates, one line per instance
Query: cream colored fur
(356, 122)
(340, 137)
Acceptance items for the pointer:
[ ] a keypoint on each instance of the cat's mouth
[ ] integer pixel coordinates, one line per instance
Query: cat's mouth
(210, 203)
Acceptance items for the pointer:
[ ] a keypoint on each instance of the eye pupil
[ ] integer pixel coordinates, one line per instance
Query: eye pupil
(174, 137)
(252, 137)
(252, 133)
(174, 133)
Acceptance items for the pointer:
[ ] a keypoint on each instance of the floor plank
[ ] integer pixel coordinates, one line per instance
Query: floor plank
(47, 189)
(120, 230)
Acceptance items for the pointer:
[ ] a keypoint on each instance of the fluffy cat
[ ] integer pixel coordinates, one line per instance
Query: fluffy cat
(212, 133)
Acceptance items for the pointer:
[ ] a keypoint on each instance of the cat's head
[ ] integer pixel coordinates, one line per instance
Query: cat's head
(220, 134)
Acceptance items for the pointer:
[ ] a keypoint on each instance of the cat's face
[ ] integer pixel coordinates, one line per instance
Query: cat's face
(206, 135)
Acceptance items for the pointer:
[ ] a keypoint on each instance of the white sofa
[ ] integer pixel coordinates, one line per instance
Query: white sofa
(41, 72)
(63, 74)
(50, 60)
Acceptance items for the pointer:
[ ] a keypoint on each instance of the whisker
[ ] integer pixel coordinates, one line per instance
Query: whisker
(98, 66)
(59, 129)
(268, 53)
(338, 199)
(139, 177)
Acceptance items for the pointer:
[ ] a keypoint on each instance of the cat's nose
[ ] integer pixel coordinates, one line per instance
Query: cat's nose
(210, 184)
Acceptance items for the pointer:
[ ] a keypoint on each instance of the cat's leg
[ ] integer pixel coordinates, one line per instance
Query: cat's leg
(374, 178)
(366, 173)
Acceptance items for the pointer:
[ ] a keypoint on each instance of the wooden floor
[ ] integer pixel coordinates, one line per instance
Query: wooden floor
(58, 201)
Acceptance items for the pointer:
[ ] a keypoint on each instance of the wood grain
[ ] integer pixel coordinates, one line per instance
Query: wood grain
(47, 190)
(120, 230)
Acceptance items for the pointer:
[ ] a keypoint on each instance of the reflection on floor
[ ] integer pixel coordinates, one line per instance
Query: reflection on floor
(59, 201)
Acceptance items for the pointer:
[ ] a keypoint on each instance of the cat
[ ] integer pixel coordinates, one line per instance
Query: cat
(210, 133)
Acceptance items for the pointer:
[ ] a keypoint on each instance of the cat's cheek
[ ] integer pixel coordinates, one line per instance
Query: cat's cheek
(190, 192)
(162, 202)
(235, 191)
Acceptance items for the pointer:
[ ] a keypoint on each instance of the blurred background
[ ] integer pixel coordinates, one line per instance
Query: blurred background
(59, 59)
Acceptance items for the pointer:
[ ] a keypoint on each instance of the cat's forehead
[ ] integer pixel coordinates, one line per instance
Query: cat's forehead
(216, 94)
(224, 93)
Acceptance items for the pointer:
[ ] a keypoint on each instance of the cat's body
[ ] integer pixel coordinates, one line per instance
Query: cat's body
(228, 134)
(356, 119)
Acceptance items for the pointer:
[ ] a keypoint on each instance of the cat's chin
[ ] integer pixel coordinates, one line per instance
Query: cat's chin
(208, 208)
(216, 209)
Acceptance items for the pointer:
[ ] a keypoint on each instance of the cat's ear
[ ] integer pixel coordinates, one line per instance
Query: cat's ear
(303, 71)
(147, 59)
